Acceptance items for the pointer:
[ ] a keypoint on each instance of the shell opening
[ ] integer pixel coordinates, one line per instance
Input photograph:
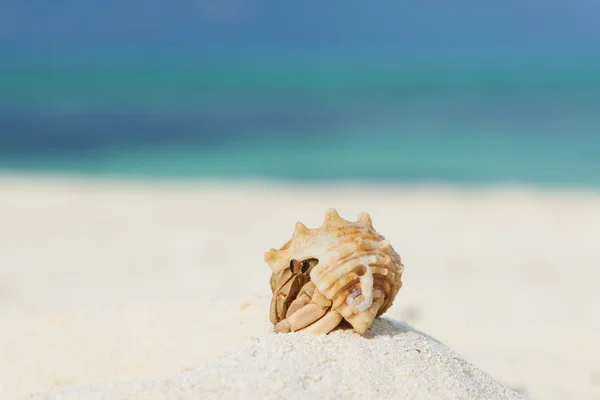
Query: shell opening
(302, 267)
(360, 270)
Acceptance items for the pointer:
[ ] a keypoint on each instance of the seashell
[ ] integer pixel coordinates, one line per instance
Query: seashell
(352, 272)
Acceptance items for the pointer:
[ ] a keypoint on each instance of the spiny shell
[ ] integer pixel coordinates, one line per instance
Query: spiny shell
(358, 270)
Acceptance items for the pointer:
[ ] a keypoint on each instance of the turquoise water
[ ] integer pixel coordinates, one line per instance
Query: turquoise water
(427, 122)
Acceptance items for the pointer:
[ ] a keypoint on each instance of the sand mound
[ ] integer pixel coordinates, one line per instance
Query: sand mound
(392, 361)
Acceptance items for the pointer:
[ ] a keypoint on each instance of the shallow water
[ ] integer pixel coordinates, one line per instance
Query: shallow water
(468, 124)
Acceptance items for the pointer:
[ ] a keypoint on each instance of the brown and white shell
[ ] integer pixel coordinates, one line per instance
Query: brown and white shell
(358, 270)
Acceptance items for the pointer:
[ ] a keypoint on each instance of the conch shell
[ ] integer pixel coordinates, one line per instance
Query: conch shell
(348, 271)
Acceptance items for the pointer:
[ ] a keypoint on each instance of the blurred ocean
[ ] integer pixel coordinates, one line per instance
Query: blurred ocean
(421, 122)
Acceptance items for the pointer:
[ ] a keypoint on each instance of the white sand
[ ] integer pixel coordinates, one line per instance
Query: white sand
(392, 361)
(111, 282)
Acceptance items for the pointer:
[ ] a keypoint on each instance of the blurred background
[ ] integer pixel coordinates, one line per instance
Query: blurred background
(462, 91)
(146, 261)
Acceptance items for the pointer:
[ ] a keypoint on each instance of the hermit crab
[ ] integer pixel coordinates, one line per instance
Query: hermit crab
(342, 270)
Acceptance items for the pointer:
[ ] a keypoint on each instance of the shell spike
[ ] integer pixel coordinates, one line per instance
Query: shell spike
(385, 244)
(332, 215)
(273, 256)
(365, 218)
(301, 230)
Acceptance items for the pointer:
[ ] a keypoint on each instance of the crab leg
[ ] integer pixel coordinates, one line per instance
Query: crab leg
(310, 312)
(325, 324)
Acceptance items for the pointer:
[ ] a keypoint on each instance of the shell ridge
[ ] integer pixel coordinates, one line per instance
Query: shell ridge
(335, 272)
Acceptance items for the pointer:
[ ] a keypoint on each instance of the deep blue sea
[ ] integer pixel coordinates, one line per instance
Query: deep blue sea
(423, 122)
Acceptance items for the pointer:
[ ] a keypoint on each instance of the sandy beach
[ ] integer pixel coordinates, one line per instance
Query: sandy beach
(108, 282)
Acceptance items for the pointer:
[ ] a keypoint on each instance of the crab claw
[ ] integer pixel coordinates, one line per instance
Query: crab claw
(285, 291)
